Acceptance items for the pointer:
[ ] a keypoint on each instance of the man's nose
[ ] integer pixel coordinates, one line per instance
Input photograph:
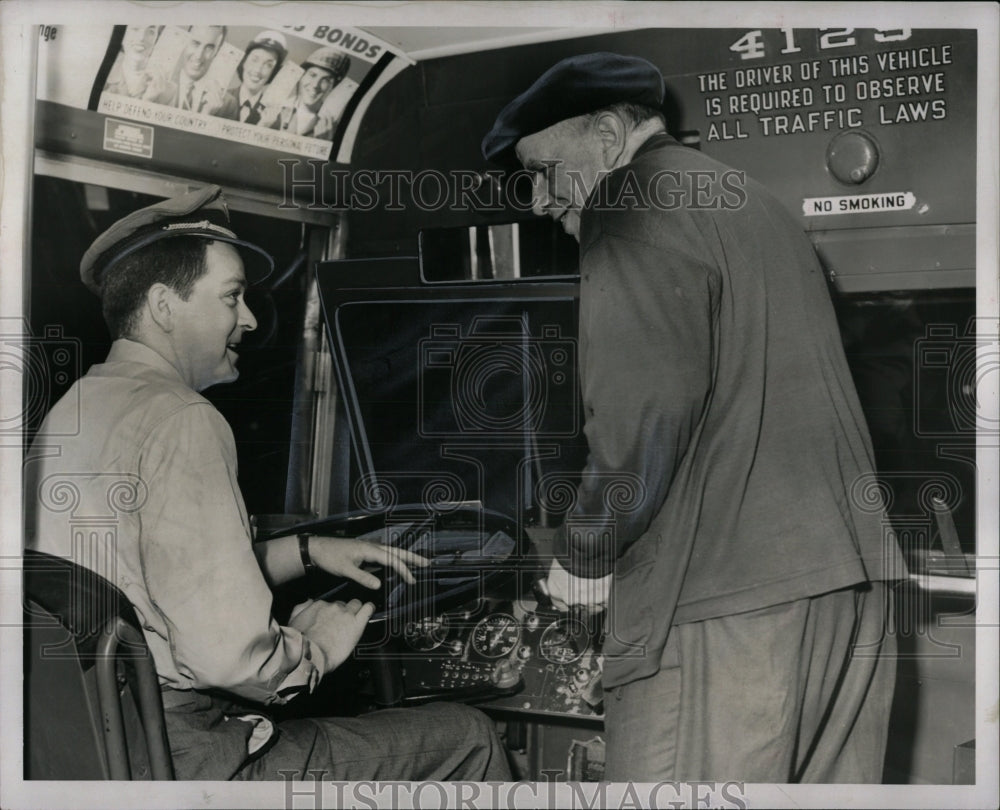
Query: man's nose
(540, 199)
(246, 320)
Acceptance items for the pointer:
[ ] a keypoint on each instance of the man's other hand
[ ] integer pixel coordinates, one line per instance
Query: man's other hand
(333, 629)
(344, 557)
(565, 590)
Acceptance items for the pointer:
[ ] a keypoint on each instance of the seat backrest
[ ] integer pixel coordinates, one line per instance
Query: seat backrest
(67, 610)
(80, 599)
(62, 738)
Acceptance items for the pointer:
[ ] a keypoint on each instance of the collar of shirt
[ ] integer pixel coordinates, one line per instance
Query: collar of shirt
(124, 350)
(253, 101)
(654, 141)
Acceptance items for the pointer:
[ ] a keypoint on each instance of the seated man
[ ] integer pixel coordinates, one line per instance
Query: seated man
(133, 436)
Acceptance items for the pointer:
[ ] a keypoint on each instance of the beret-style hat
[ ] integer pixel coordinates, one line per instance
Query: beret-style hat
(574, 86)
(201, 213)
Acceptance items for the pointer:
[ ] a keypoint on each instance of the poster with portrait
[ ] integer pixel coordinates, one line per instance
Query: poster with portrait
(287, 89)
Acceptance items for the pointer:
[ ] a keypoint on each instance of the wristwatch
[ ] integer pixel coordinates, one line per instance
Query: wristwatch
(307, 561)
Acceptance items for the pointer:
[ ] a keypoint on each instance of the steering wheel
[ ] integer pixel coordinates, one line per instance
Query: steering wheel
(470, 550)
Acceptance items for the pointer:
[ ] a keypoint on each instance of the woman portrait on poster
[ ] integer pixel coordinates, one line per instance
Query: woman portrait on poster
(260, 64)
(130, 74)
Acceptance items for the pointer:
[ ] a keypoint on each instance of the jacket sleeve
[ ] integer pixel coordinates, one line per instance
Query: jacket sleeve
(200, 570)
(645, 367)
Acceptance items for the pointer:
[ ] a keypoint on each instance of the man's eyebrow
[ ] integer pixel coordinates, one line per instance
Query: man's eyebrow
(237, 280)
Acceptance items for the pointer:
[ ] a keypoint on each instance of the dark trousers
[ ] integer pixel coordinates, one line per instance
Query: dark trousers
(799, 692)
(437, 742)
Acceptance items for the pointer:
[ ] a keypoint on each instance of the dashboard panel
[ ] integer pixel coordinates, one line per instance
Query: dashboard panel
(525, 657)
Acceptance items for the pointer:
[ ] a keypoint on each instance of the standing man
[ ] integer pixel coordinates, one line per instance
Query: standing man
(302, 113)
(191, 90)
(171, 278)
(748, 608)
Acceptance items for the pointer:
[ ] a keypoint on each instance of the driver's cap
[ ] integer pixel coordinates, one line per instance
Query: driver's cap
(202, 213)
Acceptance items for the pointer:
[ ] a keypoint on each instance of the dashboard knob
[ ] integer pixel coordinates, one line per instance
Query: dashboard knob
(455, 648)
(581, 676)
(504, 675)
(852, 157)
(524, 653)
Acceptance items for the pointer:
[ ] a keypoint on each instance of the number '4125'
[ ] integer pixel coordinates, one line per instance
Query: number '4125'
(751, 44)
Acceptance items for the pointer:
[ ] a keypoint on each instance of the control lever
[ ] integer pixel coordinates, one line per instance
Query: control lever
(592, 620)
(541, 592)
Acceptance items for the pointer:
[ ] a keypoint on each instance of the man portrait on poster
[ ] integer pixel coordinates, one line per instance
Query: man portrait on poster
(190, 89)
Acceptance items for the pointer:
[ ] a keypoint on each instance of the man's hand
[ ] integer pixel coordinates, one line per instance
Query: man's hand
(344, 558)
(156, 86)
(269, 116)
(212, 96)
(324, 127)
(565, 590)
(333, 629)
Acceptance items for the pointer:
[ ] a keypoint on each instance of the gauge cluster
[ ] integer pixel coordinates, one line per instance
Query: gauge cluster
(520, 656)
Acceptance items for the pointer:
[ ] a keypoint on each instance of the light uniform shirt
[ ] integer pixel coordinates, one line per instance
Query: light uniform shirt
(301, 121)
(133, 475)
(196, 95)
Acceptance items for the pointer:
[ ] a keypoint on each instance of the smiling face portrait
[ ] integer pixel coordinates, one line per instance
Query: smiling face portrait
(315, 85)
(201, 49)
(258, 68)
(138, 41)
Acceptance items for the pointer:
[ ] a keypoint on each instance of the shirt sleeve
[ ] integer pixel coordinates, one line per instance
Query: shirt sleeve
(200, 570)
(645, 366)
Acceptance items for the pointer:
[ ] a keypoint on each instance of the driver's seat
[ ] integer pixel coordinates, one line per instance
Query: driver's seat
(92, 706)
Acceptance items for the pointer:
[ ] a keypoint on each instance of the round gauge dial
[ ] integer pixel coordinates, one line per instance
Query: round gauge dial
(496, 635)
(564, 641)
(425, 635)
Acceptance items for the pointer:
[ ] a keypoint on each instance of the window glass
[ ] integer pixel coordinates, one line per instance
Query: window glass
(913, 358)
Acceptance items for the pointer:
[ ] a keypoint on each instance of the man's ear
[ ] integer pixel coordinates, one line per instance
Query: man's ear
(160, 301)
(611, 130)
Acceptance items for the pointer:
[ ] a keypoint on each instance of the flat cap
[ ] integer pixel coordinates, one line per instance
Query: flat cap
(575, 86)
(201, 213)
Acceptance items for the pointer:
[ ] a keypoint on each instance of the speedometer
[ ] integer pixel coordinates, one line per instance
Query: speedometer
(496, 635)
